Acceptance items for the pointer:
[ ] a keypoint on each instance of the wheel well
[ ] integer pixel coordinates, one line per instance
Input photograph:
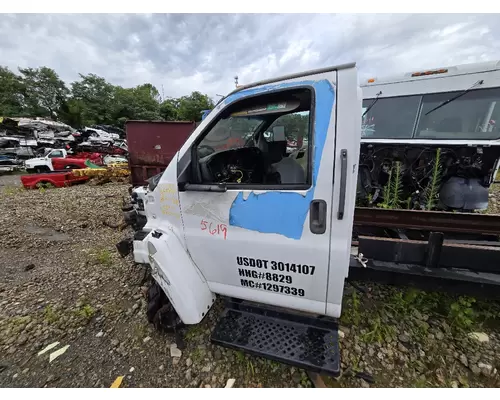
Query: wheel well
(44, 183)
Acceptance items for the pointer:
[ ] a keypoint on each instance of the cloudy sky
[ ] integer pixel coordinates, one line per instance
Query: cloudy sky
(205, 51)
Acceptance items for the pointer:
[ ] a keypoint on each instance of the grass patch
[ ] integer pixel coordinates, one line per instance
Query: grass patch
(50, 315)
(197, 355)
(274, 365)
(378, 331)
(104, 257)
(140, 331)
(461, 313)
(86, 311)
(12, 190)
(304, 380)
(193, 332)
(245, 362)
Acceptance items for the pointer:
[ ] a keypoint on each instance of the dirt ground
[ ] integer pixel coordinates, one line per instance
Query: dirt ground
(61, 280)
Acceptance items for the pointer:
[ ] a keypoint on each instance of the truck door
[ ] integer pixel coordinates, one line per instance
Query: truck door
(53, 159)
(263, 226)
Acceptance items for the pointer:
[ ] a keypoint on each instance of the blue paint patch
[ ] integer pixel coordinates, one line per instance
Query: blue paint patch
(284, 213)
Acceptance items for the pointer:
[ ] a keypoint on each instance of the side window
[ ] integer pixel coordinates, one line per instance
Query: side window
(259, 141)
(56, 154)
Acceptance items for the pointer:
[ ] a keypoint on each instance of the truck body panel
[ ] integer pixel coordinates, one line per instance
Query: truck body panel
(152, 145)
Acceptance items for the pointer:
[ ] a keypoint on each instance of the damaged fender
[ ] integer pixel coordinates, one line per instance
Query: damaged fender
(178, 276)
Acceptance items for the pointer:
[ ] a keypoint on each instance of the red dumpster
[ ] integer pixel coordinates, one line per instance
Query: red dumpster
(152, 145)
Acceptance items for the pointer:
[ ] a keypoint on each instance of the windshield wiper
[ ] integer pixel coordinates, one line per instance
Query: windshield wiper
(456, 97)
(373, 103)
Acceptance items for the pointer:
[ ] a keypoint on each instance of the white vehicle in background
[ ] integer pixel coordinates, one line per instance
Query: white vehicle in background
(449, 114)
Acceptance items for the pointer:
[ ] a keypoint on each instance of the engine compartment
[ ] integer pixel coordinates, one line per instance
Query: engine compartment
(426, 176)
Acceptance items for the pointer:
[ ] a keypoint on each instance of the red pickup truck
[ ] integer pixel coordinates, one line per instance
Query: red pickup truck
(51, 179)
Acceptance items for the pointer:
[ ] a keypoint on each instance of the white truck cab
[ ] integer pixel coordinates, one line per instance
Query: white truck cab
(244, 220)
(44, 163)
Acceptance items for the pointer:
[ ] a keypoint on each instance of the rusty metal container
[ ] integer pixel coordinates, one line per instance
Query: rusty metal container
(152, 145)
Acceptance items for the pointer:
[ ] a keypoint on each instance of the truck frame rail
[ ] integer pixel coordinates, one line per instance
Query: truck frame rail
(437, 260)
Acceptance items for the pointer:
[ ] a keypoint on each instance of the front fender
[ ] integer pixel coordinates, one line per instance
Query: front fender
(178, 276)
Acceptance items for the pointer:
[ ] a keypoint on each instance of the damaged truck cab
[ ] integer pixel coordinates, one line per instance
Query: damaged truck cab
(237, 216)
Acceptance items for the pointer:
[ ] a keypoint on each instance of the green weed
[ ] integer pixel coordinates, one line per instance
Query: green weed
(352, 315)
(378, 331)
(104, 257)
(197, 355)
(12, 190)
(193, 332)
(393, 189)
(50, 314)
(461, 314)
(86, 311)
(246, 362)
(432, 189)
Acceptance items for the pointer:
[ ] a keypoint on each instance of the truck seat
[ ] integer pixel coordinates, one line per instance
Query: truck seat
(289, 169)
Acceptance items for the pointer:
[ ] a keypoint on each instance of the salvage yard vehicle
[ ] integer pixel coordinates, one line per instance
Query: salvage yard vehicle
(277, 236)
(437, 132)
(56, 159)
(52, 180)
(278, 231)
(9, 164)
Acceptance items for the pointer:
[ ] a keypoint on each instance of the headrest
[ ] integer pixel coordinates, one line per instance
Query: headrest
(275, 151)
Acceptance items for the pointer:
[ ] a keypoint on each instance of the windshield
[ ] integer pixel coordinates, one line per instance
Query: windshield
(471, 116)
(230, 133)
(392, 117)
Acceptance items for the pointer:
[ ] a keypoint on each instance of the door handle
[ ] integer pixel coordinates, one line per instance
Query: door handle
(343, 179)
(317, 216)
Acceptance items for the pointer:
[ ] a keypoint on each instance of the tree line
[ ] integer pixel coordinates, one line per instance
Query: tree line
(39, 92)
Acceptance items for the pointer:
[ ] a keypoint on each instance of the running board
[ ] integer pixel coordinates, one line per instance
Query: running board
(302, 341)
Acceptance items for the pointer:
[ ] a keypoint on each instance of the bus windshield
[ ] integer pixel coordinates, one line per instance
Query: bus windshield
(471, 116)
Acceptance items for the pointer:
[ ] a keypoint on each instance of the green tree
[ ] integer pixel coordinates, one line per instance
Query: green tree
(72, 113)
(169, 109)
(44, 91)
(190, 107)
(295, 125)
(95, 99)
(39, 92)
(141, 102)
(12, 91)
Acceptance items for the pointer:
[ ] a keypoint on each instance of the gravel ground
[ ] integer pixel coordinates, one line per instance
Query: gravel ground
(61, 280)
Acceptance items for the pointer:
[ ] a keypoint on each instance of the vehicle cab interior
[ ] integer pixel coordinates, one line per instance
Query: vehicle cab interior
(249, 143)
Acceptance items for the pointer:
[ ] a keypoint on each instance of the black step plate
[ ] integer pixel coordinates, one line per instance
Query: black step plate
(301, 341)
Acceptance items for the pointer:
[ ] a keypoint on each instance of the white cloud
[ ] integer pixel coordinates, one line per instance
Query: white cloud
(205, 51)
